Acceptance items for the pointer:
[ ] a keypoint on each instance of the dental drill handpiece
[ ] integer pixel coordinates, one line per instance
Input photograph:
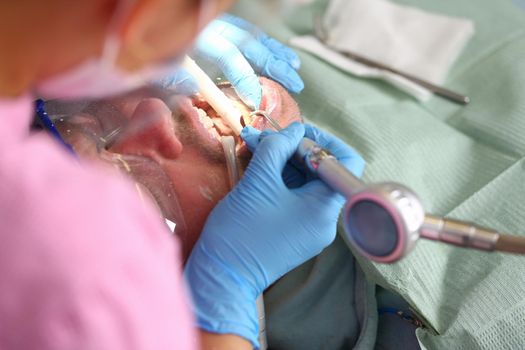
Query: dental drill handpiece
(396, 211)
(450, 231)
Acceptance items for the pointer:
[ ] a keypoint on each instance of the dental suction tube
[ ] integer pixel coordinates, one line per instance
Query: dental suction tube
(214, 96)
(228, 146)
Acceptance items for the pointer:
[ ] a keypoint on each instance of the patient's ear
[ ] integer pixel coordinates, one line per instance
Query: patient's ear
(150, 132)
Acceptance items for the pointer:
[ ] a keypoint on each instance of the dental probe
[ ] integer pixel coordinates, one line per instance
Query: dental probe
(214, 96)
(384, 220)
(266, 116)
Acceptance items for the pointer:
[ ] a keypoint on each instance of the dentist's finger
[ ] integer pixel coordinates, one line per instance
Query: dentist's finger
(278, 49)
(261, 57)
(218, 50)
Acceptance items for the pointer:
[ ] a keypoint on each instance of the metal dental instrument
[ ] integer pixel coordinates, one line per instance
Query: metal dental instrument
(438, 90)
(266, 116)
(383, 221)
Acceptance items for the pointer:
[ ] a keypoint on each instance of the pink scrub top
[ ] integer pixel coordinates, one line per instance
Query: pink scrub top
(84, 264)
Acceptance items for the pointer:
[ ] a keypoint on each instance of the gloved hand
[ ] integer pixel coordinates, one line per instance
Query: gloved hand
(263, 229)
(232, 44)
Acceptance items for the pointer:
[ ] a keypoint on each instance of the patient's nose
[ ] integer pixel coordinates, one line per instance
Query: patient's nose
(149, 132)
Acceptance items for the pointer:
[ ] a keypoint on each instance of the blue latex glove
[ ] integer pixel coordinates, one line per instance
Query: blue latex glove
(263, 229)
(241, 50)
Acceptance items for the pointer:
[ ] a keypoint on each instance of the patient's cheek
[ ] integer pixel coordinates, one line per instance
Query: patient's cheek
(150, 132)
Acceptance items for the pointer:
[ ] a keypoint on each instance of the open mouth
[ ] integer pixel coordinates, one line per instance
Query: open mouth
(209, 119)
(216, 127)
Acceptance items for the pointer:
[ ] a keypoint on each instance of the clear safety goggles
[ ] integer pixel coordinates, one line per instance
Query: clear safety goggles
(166, 145)
(178, 153)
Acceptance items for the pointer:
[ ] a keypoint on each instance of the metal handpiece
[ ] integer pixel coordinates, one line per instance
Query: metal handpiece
(384, 220)
(407, 210)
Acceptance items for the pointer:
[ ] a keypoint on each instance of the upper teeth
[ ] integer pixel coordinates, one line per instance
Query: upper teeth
(207, 122)
(204, 119)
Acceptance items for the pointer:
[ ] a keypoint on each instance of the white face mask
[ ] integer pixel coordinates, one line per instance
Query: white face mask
(101, 77)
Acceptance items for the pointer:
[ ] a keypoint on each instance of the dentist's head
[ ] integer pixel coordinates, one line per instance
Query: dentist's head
(84, 263)
(94, 48)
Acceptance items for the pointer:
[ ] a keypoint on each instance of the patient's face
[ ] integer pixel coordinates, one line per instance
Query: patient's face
(173, 154)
